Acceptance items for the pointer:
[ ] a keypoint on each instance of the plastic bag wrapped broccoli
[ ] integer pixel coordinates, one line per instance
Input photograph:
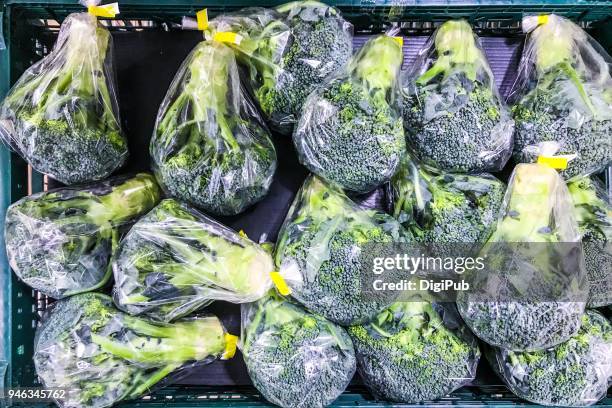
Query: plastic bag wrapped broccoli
(288, 52)
(175, 260)
(210, 146)
(350, 131)
(60, 242)
(61, 115)
(531, 293)
(295, 358)
(575, 373)
(593, 212)
(101, 356)
(454, 118)
(563, 97)
(319, 250)
(414, 352)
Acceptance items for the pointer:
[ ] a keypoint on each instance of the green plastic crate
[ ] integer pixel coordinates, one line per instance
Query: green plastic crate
(20, 307)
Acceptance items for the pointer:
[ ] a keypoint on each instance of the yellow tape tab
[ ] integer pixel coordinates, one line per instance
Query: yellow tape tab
(543, 19)
(202, 17)
(106, 10)
(556, 162)
(280, 283)
(399, 40)
(231, 342)
(228, 37)
(243, 234)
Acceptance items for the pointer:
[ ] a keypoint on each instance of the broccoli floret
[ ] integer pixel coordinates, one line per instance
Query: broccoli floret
(176, 260)
(60, 242)
(413, 352)
(573, 374)
(594, 215)
(563, 106)
(61, 115)
(103, 356)
(454, 117)
(209, 147)
(350, 131)
(295, 358)
(319, 253)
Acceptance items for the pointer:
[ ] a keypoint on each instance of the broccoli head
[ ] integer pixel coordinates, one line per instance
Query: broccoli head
(350, 131)
(209, 146)
(60, 242)
(454, 117)
(295, 358)
(62, 115)
(575, 373)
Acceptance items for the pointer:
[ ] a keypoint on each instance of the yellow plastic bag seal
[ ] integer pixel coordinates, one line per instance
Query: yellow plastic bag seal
(202, 17)
(556, 162)
(228, 37)
(399, 40)
(280, 283)
(543, 19)
(231, 342)
(107, 10)
(243, 234)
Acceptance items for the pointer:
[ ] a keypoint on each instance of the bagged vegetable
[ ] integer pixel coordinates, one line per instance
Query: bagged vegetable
(210, 146)
(531, 293)
(575, 373)
(593, 213)
(563, 97)
(60, 242)
(319, 250)
(62, 115)
(295, 358)
(287, 52)
(454, 118)
(176, 260)
(101, 356)
(350, 131)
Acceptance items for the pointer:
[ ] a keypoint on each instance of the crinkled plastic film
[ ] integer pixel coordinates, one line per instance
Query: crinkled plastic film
(100, 356)
(350, 132)
(210, 147)
(319, 250)
(533, 292)
(575, 373)
(60, 242)
(563, 97)
(176, 260)
(454, 117)
(295, 358)
(62, 115)
(415, 352)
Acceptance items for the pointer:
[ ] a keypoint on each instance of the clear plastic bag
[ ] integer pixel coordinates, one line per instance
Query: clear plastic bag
(593, 212)
(350, 132)
(575, 373)
(319, 250)
(288, 52)
(210, 147)
(563, 97)
(295, 358)
(96, 356)
(532, 291)
(415, 352)
(176, 260)
(454, 118)
(62, 115)
(60, 242)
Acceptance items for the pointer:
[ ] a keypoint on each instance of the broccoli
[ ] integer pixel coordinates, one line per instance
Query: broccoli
(412, 352)
(62, 115)
(295, 358)
(350, 131)
(209, 146)
(454, 117)
(60, 242)
(176, 260)
(593, 212)
(530, 295)
(573, 374)
(102, 356)
(563, 99)
(320, 248)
